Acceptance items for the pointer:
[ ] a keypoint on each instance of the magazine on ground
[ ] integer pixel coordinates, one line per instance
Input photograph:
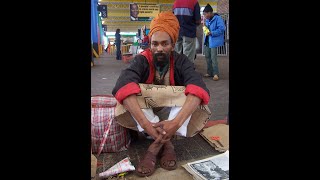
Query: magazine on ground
(212, 168)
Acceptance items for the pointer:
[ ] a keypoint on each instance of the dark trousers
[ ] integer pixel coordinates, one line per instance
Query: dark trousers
(118, 52)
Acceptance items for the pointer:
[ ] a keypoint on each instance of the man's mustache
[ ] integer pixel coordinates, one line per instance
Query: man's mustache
(162, 55)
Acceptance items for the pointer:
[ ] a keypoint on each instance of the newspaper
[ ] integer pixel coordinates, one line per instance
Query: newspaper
(212, 168)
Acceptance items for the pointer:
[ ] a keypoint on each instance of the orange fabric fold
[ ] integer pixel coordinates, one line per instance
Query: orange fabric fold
(165, 21)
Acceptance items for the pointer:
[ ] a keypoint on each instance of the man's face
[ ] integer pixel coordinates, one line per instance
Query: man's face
(161, 48)
(134, 10)
(207, 15)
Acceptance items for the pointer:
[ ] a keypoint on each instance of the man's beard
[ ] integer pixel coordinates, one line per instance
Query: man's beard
(160, 59)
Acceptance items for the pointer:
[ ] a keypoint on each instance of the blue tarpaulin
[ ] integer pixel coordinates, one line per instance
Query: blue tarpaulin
(94, 21)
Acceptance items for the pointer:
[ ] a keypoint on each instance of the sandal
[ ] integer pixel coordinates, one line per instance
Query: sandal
(147, 164)
(168, 155)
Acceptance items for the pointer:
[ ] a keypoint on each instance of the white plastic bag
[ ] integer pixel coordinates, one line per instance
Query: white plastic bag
(139, 50)
(197, 44)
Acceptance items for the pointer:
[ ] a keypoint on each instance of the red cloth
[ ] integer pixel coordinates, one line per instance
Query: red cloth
(215, 122)
(145, 39)
(199, 92)
(127, 90)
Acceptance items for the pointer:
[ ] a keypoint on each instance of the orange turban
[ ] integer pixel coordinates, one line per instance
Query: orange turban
(165, 21)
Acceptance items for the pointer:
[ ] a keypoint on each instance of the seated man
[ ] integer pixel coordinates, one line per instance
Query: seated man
(163, 82)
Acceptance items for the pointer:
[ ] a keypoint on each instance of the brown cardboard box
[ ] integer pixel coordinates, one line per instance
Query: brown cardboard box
(93, 166)
(152, 96)
(157, 96)
(219, 130)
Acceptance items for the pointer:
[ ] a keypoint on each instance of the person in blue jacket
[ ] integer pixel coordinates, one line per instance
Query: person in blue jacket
(118, 44)
(213, 39)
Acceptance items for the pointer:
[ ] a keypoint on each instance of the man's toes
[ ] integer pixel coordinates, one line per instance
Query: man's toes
(146, 170)
(172, 163)
(164, 163)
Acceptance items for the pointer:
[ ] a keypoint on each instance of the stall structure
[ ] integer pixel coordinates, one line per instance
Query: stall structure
(96, 30)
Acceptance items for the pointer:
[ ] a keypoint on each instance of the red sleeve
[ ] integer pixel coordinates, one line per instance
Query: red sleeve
(127, 90)
(199, 92)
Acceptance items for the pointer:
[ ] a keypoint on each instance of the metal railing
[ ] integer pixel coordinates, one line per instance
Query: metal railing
(224, 50)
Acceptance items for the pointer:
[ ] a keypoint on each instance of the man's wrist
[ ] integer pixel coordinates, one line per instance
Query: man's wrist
(178, 122)
(144, 124)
